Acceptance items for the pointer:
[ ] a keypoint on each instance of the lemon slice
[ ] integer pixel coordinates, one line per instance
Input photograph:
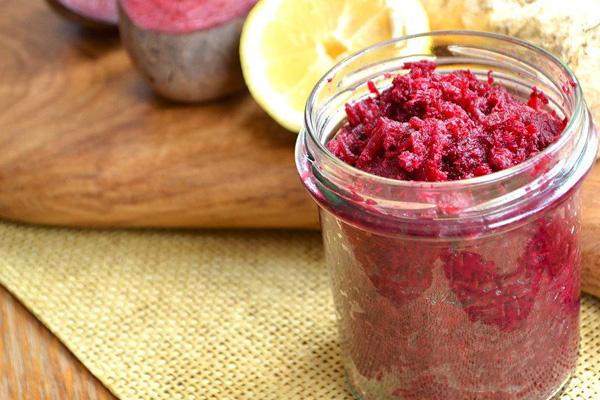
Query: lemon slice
(287, 45)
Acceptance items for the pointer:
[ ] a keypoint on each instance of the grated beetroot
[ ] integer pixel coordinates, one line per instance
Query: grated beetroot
(437, 127)
(493, 318)
(468, 318)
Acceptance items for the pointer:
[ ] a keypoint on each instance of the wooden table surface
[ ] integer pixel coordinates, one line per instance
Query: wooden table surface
(34, 365)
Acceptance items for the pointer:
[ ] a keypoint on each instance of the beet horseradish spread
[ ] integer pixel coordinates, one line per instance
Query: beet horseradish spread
(432, 127)
(449, 196)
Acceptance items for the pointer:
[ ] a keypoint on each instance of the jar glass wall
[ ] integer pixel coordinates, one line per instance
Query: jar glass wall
(454, 290)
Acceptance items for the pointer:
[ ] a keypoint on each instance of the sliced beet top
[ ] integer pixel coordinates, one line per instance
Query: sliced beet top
(184, 16)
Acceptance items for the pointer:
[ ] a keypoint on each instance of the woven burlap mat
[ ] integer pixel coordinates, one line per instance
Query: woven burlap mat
(206, 315)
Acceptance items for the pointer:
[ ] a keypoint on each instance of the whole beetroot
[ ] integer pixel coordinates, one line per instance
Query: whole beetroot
(186, 50)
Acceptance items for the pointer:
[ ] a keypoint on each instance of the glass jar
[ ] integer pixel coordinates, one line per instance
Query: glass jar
(454, 290)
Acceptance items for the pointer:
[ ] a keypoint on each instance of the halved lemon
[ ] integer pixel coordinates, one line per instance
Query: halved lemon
(287, 45)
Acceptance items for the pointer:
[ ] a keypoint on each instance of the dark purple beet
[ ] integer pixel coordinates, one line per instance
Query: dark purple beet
(186, 50)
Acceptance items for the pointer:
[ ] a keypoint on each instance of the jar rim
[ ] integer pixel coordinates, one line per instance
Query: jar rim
(568, 132)
(479, 205)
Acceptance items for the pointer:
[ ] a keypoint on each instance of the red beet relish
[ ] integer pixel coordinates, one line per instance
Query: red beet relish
(437, 127)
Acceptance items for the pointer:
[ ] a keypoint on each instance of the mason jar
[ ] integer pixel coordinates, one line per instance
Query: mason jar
(455, 290)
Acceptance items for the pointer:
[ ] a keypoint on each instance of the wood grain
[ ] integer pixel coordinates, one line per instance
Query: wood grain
(34, 365)
(85, 142)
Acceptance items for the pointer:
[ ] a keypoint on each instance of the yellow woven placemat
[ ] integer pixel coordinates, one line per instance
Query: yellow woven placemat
(208, 315)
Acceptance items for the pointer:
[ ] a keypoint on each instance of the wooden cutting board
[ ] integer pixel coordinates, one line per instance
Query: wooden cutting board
(84, 142)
